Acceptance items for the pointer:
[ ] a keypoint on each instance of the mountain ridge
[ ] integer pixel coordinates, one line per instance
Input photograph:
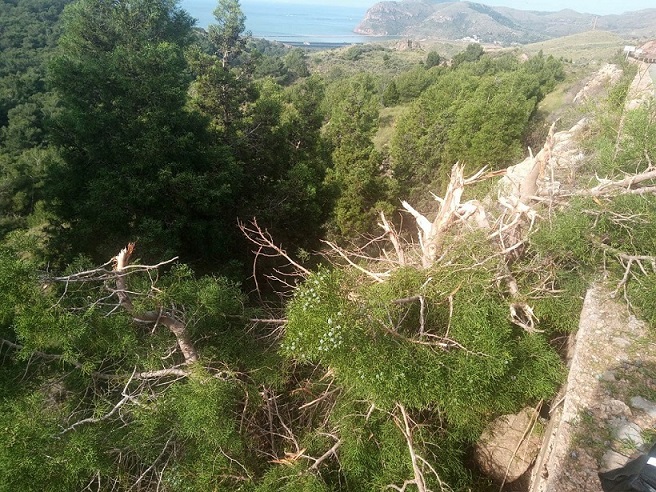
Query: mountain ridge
(504, 25)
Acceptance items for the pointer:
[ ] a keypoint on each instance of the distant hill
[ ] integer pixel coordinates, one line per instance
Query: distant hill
(458, 20)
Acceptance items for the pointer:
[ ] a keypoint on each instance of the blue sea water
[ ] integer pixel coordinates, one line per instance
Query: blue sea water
(289, 22)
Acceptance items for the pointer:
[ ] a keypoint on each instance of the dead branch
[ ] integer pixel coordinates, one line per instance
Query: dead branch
(432, 233)
(419, 480)
(121, 269)
(152, 465)
(626, 185)
(448, 212)
(326, 455)
(529, 186)
(176, 371)
(266, 247)
(422, 310)
(473, 209)
(378, 277)
(92, 420)
(101, 273)
(403, 487)
(628, 262)
(521, 314)
(323, 396)
(393, 237)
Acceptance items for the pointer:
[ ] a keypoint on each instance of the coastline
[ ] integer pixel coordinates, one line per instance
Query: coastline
(298, 25)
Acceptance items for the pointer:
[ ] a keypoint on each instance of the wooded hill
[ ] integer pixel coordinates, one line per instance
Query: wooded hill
(457, 20)
(206, 278)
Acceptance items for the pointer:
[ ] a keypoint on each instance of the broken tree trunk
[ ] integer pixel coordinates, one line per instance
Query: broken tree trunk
(432, 233)
(159, 316)
(528, 188)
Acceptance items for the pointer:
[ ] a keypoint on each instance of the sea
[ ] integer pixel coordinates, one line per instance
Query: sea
(289, 22)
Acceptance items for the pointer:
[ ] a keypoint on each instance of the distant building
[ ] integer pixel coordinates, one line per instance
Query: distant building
(471, 39)
(646, 53)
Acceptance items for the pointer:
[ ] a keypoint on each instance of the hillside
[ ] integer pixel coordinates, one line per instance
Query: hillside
(581, 47)
(457, 20)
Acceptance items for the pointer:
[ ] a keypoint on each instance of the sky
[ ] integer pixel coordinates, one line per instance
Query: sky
(601, 7)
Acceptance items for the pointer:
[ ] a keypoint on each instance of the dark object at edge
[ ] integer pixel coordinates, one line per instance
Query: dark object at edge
(637, 475)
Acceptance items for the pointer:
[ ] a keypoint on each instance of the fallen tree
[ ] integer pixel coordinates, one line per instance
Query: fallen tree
(384, 323)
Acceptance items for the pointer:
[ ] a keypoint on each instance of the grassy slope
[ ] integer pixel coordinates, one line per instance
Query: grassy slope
(388, 117)
(386, 62)
(585, 47)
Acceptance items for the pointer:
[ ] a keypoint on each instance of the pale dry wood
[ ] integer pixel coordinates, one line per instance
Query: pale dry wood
(625, 185)
(419, 480)
(628, 261)
(529, 186)
(450, 211)
(521, 313)
(393, 238)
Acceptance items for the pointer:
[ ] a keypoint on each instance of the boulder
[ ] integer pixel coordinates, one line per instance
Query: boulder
(508, 446)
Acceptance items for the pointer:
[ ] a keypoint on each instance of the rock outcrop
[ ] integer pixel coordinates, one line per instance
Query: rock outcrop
(593, 426)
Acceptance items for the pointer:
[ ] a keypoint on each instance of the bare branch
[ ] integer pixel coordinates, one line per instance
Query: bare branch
(423, 223)
(93, 420)
(627, 184)
(378, 277)
(628, 261)
(152, 465)
(419, 479)
(521, 314)
(267, 247)
(393, 237)
(326, 455)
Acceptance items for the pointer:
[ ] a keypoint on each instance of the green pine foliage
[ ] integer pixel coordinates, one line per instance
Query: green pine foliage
(29, 30)
(352, 106)
(476, 113)
(391, 95)
(471, 54)
(433, 59)
(412, 83)
(85, 353)
(137, 164)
